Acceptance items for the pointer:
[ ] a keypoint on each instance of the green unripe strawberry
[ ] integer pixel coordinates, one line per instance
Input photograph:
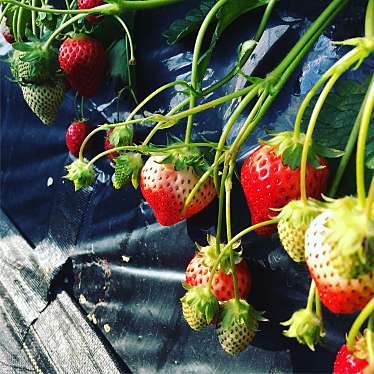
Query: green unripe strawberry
(237, 326)
(128, 167)
(294, 220)
(44, 99)
(199, 307)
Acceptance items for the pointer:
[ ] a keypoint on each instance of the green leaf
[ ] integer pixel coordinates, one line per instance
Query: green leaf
(180, 28)
(118, 60)
(244, 50)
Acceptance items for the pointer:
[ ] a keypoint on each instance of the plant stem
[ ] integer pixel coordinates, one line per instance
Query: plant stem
(82, 107)
(61, 28)
(146, 150)
(360, 154)
(195, 62)
(19, 22)
(14, 24)
(370, 200)
(228, 187)
(222, 141)
(309, 134)
(3, 13)
(369, 20)
(369, 340)
(33, 18)
(312, 291)
(127, 31)
(319, 310)
(347, 152)
(231, 242)
(359, 321)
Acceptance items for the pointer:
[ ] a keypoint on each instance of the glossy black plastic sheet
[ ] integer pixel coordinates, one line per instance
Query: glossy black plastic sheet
(123, 268)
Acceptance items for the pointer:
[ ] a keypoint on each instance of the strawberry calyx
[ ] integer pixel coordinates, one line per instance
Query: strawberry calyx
(290, 150)
(127, 168)
(351, 235)
(202, 301)
(81, 173)
(211, 256)
(183, 158)
(239, 312)
(31, 63)
(299, 214)
(121, 136)
(305, 326)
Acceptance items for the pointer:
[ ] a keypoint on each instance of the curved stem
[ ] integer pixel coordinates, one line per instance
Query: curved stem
(309, 134)
(349, 148)
(3, 12)
(222, 141)
(61, 28)
(369, 20)
(228, 187)
(14, 24)
(370, 200)
(19, 22)
(146, 150)
(360, 154)
(234, 240)
(311, 295)
(127, 31)
(359, 321)
(195, 62)
(369, 340)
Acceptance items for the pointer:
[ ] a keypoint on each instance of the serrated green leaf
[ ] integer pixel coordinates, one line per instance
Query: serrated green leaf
(180, 28)
(292, 156)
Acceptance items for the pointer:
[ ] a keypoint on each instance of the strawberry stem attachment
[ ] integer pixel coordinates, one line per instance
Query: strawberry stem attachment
(195, 62)
(312, 292)
(359, 321)
(309, 134)
(360, 154)
(128, 34)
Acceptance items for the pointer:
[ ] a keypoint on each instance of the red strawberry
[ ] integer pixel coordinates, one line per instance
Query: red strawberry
(89, 4)
(340, 294)
(166, 189)
(198, 272)
(108, 145)
(8, 36)
(346, 362)
(268, 183)
(84, 61)
(75, 135)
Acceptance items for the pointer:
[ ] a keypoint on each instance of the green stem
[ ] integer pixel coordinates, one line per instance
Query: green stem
(222, 141)
(369, 20)
(369, 340)
(370, 200)
(3, 13)
(127, 31)
(14, 24)
(311, 296)
(319, 312)
(228, 187)
(69, 15)
(116, 8)
(61, 28)
(359, 321)
(349, 148)
(82, 107)
(146, 150)
(360, 154)
(309, 134)
(19, 22)
(231, 242)
(195, 62)
(33, 18)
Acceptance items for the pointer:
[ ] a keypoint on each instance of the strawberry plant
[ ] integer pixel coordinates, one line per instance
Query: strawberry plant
(284, 180)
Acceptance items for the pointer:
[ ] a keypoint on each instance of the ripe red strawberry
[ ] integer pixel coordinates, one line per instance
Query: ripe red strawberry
(269, 183)
(75, 135)
(323, 251)
(347, 362)
(89, 4)
(198, 273)
(165, 184)
(84, 61)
